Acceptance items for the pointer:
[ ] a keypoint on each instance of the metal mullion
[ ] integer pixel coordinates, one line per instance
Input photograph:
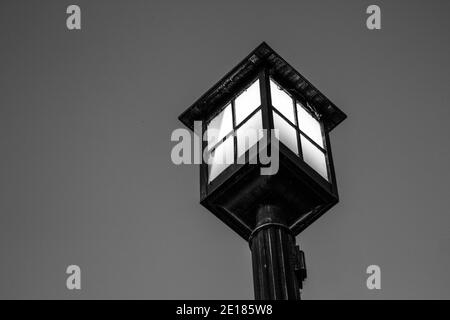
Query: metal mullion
(299, 130)
(284, 118)
(266, 100)
(325, 142)
(204, 167)
(312, 141)
(248, 117)
(220, 142)
(233, 113)
(233, 132)
(297, 126)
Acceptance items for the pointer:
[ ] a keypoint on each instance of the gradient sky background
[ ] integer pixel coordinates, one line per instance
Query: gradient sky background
(85, 123)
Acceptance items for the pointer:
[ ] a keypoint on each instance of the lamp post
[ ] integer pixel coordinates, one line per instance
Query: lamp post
(263, 93)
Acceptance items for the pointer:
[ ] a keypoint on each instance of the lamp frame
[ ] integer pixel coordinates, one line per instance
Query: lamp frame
(235, 194)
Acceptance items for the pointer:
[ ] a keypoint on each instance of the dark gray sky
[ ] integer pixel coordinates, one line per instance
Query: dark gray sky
(85, 124)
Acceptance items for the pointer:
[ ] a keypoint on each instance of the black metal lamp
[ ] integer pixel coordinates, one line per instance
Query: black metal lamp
(268, 210)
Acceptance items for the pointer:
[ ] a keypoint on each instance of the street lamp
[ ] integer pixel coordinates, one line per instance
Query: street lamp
(267, 210)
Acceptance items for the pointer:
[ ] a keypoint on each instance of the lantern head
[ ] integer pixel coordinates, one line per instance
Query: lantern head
(238, 115)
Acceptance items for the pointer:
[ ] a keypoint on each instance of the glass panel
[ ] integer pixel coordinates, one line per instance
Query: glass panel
(220, 126)
(247, 102)
(221, 158)
(282, 101)
(249, 133)
(287, 133)
(309, 125)
(314, 157)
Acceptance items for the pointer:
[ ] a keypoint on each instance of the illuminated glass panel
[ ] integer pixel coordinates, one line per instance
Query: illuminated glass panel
(247, 102)
(309, 125)
(249, 133)
(287, 133)
(220, 126)
(221, 158)
(282, 101)
(314, 157)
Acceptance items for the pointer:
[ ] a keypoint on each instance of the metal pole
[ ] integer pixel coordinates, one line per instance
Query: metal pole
(278, 265)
